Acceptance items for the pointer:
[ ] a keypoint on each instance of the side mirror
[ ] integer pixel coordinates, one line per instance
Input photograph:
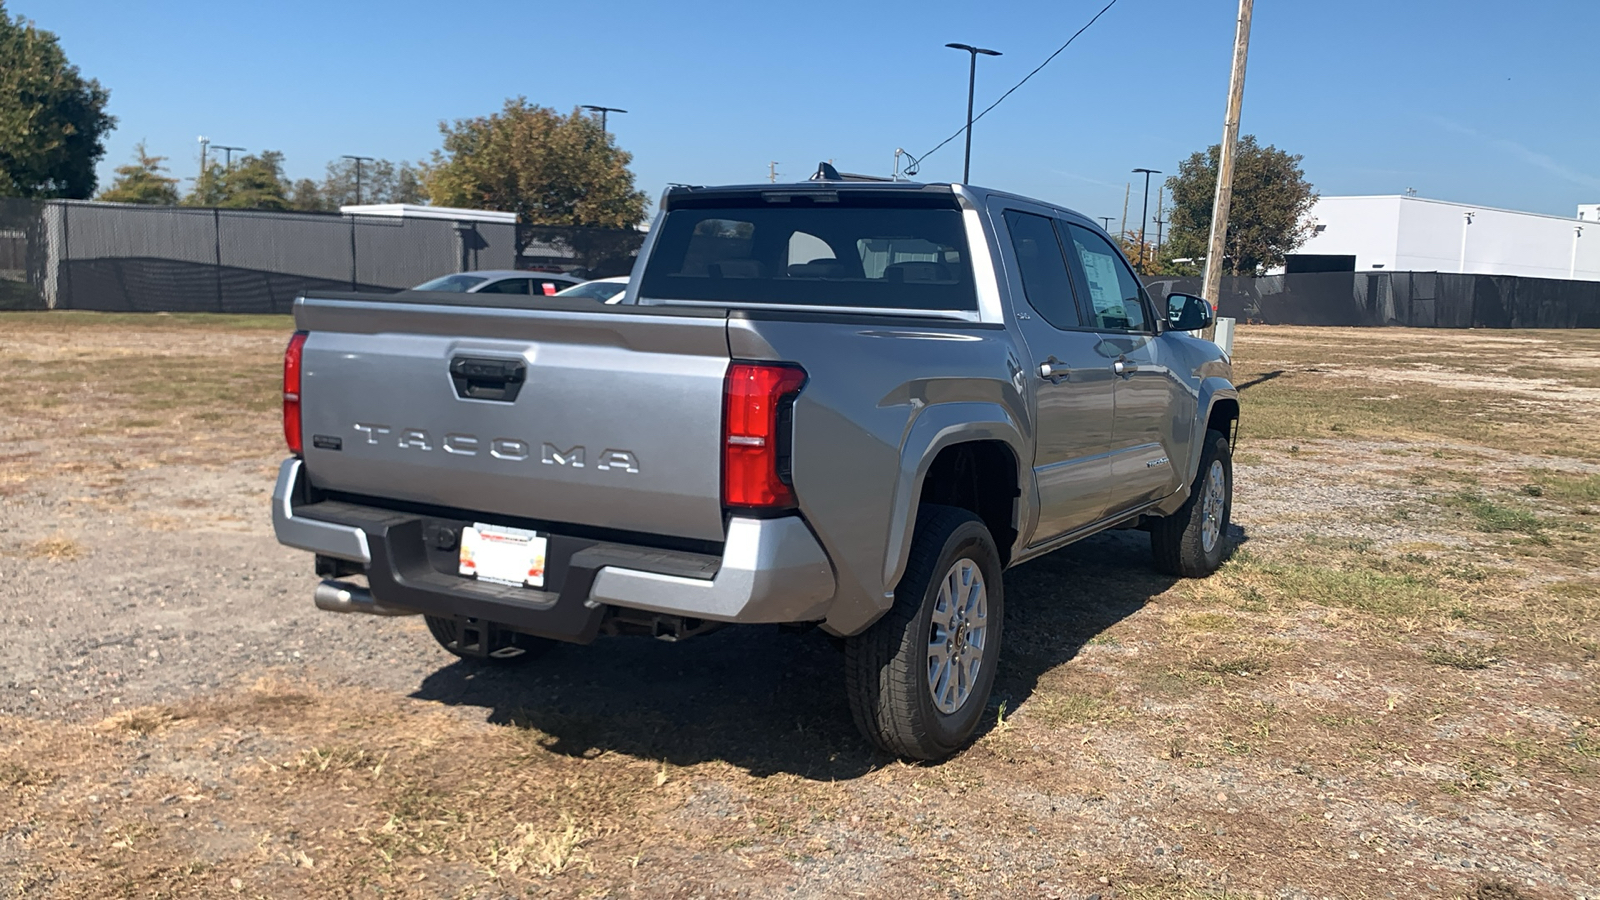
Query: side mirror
(1186, 312)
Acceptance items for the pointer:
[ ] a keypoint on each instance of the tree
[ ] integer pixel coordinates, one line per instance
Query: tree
(52, 120)
(1268, 218)
(381, 182)
(256, 182)
(306, 196)
(548, 168)
(144, 181)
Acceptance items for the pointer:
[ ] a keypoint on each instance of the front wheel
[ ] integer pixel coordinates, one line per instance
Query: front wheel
(1191, 542)
(920, 677)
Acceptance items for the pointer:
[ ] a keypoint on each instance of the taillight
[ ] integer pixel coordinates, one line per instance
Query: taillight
(291, 392)
(754, 398)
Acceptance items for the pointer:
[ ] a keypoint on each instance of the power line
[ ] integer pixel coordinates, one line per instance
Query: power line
(1018, 84)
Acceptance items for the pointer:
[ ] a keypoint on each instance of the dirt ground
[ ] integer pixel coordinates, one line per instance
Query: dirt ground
(1389, 691)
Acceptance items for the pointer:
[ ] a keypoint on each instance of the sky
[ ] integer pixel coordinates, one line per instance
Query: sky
(1486, 103)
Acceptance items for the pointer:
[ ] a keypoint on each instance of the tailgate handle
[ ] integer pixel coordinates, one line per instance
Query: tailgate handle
(478, 378)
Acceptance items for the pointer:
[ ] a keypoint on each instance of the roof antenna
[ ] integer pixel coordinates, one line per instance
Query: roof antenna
(826, 172)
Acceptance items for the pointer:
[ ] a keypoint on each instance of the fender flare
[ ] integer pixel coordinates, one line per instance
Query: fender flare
(1212, 390)
(936, 428)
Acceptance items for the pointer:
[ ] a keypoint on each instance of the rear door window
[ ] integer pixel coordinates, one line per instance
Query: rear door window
(1045, 279)
(865, 253)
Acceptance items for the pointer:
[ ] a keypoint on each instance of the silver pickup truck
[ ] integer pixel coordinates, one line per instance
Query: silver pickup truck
(842, 405)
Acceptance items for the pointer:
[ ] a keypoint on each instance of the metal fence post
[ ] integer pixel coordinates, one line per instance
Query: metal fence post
(216, 230)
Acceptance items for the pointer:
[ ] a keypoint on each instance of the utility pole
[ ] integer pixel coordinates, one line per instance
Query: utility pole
(1126, 191)
(602, 110)
(358, 160)
(1230, 140)
(972, 83)
(1144, 217)
(200, 183)
(772, 172)
(228, 165)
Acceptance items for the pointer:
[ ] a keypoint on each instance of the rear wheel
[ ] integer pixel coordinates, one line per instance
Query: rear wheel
(1192, 541)
(920, 677)
(478, 641)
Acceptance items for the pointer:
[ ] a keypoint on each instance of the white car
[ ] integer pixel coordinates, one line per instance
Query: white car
(500, 281)
(606, 290)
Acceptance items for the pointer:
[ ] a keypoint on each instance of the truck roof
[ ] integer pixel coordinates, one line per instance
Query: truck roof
(977, 195)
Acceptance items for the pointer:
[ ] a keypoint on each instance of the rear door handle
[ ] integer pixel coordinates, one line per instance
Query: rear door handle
(1124, 368)
(1052, 370)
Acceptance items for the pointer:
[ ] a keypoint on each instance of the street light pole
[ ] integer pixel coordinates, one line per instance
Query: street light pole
(1107, 221)
(972, 83)
(228, 164)
(602, 110)
(358, 161)
(1144, 217)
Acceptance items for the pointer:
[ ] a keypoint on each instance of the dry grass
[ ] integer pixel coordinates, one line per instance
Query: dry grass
(1390, 689)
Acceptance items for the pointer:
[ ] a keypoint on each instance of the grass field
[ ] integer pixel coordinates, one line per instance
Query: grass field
(1389, 690)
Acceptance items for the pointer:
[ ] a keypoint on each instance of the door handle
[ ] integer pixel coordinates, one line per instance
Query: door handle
(1124, 368)
(1052, 370)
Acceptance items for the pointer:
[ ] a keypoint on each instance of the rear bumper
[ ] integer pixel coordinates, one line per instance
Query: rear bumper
(771, 570)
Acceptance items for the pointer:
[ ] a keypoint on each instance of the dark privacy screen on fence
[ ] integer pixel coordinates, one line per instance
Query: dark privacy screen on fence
(65, 254)
(1417, 299)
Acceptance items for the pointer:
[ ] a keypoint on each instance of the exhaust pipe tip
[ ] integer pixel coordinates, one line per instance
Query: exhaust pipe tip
(344, 597)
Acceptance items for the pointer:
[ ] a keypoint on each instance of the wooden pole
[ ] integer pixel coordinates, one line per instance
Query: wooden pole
(1126, 192)
(1230, 140)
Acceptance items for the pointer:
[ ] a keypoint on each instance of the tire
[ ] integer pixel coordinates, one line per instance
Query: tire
(1192, 542)
(890, 667)
(506, 648)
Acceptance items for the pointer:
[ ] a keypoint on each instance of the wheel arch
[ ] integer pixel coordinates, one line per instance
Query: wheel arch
(960, 445)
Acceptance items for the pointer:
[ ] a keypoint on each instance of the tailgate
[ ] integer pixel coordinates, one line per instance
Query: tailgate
(603, 418)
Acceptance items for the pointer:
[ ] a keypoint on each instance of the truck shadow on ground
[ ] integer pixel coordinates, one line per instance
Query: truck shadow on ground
(772, 702)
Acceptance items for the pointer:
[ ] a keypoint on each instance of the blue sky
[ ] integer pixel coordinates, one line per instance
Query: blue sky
(1487, 103)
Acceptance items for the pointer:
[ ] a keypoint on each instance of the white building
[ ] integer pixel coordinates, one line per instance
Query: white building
(1413, 234)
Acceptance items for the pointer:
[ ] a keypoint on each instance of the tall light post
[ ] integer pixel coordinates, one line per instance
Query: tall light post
(602, 110)
(358, 161)
(1107, 221)
(227, 165)
(1144, 217)
(972, 83)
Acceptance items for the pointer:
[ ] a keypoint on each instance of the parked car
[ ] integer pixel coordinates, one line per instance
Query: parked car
(841, 405)
(500, 281)
(605, 290)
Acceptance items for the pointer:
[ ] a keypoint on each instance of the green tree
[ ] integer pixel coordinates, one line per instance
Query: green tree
(306, 196)
(548, 168)
(143, 181)
(207, 189)
(52, 120)
(254, 182)
(1267, 219)
(382, 181)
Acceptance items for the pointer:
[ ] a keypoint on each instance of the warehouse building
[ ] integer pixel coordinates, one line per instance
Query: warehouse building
(1405, 233)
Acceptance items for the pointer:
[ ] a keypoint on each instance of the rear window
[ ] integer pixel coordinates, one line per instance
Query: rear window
(877, 257)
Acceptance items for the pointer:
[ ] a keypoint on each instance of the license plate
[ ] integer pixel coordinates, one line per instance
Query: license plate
(513, 556)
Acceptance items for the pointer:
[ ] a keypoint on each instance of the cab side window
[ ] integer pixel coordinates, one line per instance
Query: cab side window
(1045, 279)
(1115, 295)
